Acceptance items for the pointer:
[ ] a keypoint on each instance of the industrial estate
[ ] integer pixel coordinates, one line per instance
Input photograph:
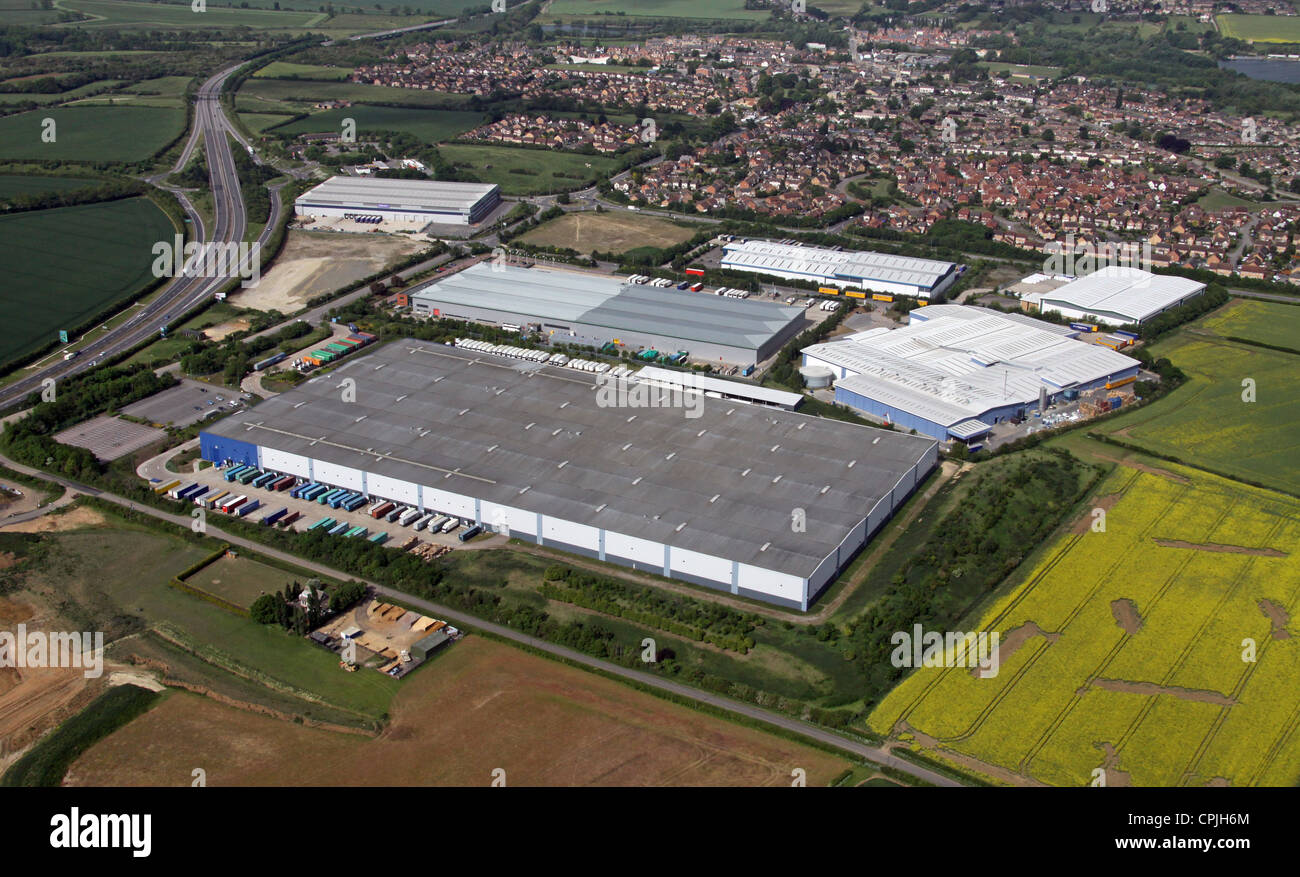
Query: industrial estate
(748, 394)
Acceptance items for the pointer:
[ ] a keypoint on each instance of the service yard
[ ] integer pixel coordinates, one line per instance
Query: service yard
(475, 708)
(109, 437)
(317, 263)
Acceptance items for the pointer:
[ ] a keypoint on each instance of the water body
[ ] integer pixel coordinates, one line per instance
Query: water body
(1269, 69)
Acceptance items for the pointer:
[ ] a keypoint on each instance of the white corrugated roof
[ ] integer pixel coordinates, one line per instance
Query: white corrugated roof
(954, 366)
(371, 193)
(849, 265)
(1128, 292)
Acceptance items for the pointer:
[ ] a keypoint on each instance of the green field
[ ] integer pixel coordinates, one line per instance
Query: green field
(65, 265)
(432, 126)
(290, 70)
(1260, 28)
(1021, 71)
(494, 164)
(91, 133)
(259, 122)
(1206, 422)
(81, 91)
(176, 16)
(1262, 322)
(21, 12)
(12, 185)
(165, 91)
(114, 578)
(288, 95)
(723, 9)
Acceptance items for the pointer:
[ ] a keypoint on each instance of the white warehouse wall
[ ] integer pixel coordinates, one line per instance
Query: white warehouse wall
(704, 566)
(282, 461)
(449, 503)
(339, 476)
(396, 489)
(639, 550)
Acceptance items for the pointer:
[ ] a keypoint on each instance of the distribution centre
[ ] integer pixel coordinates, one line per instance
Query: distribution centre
(400, 200)
(842, 269)
(748, 499)
(593, 309)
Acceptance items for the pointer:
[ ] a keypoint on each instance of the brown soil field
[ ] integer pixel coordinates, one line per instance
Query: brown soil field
(480, 706)
(313, 264)
(73, 520)
(607, 232)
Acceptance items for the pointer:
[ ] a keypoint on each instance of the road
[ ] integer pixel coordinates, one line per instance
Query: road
(856, 748)
(182, 293)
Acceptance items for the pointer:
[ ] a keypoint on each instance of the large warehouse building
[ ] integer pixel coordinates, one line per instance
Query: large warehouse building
(1115, 296)
(400, 200)
(954, 372)
(747, 499)
(843, 269)
(593, 309)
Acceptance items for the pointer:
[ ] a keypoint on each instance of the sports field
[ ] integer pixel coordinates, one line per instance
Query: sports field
(1260, 28)
(729, 9)
(528, 171)
(242, 580)
(1208, 422)
(65, 265)
(478, 707)
(431, 126)
(613, 232)
(94, 133)
(1124, 653)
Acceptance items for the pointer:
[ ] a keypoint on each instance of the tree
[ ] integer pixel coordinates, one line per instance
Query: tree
(266, 609)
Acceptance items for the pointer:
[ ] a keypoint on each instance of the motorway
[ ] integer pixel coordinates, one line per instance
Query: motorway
(875, 754)
(181, 293)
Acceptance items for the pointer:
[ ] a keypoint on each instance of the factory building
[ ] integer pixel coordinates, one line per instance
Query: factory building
(593, 309)
(1115, 296)
(842, 269)
(954, 372)
(747, 499)
(400, 200)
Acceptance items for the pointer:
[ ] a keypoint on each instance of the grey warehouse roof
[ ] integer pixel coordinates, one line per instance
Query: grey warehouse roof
(725, 483)
(611, 303)
(371, 193)
(1130, 293)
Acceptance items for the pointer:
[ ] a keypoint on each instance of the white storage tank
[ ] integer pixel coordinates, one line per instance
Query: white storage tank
(816, 376)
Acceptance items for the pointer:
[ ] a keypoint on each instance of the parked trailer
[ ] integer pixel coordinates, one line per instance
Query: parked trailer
(1125, 333)
(288, 519)
(211, 501)
(376, 507)
(251, 505)
(270, 519)
(355, 503)
(1110, 385)
(409, 517)
(356, 531)
(396, 513)
(451, 526)
(695, 272)
(230, 473)
(1083, 327)
(325, 497)
(282, 484)
(196, 496)
(323, 522)
(337, 502)
(435, 526)
(171, 485)
(181, 492)
(471, 533)
(828, 290)
(265, 478)
(379, 538)
(338, 528)
(383, 509)
(248, 476)
(269, 361)
(879, 297)
(316, 491)
(423, 521)
(229, 505)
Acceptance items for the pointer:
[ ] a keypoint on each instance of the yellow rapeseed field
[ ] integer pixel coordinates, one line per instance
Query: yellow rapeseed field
(1136, 665)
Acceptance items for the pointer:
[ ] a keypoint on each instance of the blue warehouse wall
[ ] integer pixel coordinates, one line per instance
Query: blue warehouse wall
(900, 419)
(218, 449)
